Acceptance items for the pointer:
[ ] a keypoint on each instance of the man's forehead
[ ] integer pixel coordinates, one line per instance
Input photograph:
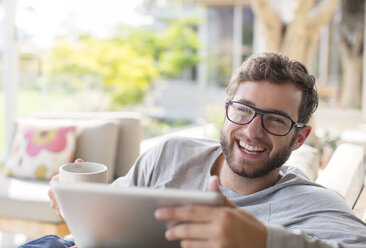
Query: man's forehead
(284, 98)
(270, 109)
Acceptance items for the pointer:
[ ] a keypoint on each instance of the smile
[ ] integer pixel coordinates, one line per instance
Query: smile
(250, 149)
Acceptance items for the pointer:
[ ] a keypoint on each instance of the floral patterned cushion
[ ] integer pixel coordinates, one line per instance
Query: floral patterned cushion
(38, 151)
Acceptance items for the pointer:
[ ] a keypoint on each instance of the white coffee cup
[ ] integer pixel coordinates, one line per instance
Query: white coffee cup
(84, 172)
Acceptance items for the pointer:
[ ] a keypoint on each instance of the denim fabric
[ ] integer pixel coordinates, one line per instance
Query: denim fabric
(53, 241)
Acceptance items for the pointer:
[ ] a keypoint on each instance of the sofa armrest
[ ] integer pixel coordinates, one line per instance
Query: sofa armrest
(360, 206)
(345, 172)
(130, 135)
(307, 159)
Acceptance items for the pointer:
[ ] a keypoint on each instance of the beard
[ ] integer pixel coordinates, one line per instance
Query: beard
(262, 170)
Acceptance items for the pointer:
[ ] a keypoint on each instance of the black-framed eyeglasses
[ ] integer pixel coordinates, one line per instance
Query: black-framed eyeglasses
(274, 123)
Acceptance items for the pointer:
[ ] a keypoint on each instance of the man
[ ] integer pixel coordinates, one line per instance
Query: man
(270, 101)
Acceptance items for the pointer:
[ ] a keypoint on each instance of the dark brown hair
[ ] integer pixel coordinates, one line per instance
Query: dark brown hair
(278, 68)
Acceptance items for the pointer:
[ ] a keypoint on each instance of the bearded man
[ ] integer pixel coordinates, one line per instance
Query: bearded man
(270, 101)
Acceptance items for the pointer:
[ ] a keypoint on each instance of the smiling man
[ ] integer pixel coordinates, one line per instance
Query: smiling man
(259, 132)
(270, 101)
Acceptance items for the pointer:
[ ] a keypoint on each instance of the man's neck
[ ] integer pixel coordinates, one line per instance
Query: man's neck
(239, 184)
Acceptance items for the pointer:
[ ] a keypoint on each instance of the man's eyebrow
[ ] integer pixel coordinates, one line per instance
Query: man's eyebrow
(252, 104)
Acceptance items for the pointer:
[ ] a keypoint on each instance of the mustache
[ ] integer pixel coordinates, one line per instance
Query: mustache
(254, 142)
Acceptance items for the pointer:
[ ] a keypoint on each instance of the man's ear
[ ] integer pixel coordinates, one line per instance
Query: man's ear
(301, 137)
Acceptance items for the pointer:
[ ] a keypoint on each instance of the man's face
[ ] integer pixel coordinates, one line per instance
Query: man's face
(249, 150)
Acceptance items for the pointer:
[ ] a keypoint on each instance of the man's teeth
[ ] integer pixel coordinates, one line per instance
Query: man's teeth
(251, 148)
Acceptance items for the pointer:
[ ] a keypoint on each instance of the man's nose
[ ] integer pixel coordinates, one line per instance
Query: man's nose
(254, 129)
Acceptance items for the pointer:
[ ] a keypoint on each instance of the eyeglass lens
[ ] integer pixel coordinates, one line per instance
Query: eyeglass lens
(273, 123)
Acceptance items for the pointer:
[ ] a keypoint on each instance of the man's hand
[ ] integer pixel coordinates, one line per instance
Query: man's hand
(205, 226)
(53, 202)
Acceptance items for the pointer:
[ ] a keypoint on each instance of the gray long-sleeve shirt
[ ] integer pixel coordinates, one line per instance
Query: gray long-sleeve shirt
(297, 212)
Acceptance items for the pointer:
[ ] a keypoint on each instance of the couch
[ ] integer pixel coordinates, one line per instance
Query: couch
(344, 173)
(111, 138)
(27, 199)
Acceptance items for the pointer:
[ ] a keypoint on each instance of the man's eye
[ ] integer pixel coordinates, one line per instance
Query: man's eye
(245, 110)
(276, 119)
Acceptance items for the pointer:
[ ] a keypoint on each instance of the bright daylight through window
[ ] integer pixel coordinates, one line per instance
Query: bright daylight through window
(46, 33)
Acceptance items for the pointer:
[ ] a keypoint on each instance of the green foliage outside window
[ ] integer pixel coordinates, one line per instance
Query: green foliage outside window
(125, 73)
(173, 49)
(180, 43)
(128, 63)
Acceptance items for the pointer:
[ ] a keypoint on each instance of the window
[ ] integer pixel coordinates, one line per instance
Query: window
(39, 25)
(229, 41)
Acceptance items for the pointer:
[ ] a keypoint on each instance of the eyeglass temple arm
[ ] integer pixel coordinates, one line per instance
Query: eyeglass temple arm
(299, 124)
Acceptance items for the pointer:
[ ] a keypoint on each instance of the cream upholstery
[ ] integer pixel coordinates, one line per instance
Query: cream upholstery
(307, 159)
(109, 138)
(128, 141)
(345, 172)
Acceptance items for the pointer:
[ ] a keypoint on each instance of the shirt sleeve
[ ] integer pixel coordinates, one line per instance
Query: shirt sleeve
(278, 236)
(142, 170)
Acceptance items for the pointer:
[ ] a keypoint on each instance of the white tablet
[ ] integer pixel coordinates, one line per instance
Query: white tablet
(100, 215)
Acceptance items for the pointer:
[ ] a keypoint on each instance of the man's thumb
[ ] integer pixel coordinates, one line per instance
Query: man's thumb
(213, 186)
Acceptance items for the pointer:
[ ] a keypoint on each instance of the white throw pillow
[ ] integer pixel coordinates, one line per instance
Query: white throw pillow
(39, 149)
(96, 139)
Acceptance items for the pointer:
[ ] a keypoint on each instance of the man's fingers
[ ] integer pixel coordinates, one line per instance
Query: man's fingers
(58, 212)
(188, 231)
(79, 160)
(53, 202)
(196, 243)
(55, 178)
(186, 213)
(228, 203)
(213, 184)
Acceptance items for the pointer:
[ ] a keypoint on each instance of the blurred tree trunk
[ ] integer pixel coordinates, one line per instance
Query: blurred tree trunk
(350, 44)
(297, 38)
